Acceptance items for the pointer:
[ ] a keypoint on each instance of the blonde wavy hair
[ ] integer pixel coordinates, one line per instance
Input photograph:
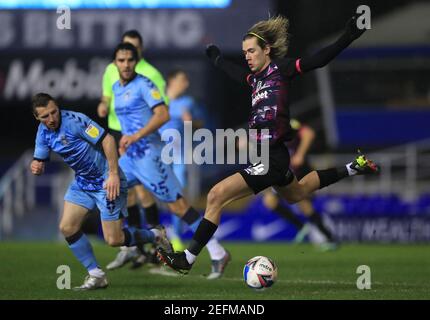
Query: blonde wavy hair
(273, 33)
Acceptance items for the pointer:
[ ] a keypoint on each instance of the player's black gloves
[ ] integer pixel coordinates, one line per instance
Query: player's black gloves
(352, 32)
(213, 53)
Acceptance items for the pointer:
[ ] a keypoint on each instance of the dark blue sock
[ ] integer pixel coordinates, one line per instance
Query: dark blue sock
(134, 235)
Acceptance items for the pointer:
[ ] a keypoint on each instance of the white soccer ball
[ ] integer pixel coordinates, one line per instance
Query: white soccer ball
(260, 272)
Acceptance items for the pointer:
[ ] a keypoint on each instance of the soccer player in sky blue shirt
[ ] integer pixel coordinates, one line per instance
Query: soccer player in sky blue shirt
(141, 112)
(98, 183)
(107, 108)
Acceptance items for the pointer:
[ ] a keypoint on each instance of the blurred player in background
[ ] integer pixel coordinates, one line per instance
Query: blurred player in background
(106, 108)
(264, 47)
(303, 136)
(180, 110)
(92, 153)
(141, 111)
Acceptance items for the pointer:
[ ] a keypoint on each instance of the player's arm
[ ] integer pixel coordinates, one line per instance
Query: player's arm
(325, 55)
(92, 132)
(160, 116)
(41, 154)
(112, 184)
(307, 136)
(233, 70)
(103, 107)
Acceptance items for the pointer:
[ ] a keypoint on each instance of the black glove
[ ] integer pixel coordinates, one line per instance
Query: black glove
(213, 52)
(351, 29)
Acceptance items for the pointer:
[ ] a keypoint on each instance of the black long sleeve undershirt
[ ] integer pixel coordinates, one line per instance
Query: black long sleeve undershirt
(233, 70)
(325, 55)
(288, 67)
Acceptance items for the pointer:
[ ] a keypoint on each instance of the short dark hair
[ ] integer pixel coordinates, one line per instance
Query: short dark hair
(40, 99)
(128, 47)
(133, 34)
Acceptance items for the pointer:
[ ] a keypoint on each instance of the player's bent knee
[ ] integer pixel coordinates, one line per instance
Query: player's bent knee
(67, 229)
(215, 196)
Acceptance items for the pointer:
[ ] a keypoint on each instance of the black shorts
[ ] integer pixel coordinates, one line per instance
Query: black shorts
(279, 173)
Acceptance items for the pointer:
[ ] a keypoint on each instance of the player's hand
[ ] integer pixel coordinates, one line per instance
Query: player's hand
(121, 150)
(297, 160)
(352, 30)
(37, 167)
(102, 110)
(112, 186)
(213, 52)
(127, 141)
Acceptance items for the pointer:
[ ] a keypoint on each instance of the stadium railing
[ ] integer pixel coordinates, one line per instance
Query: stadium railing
(20, 190)
(405, 170)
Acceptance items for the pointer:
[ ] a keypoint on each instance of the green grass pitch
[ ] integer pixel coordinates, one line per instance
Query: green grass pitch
(28, 271)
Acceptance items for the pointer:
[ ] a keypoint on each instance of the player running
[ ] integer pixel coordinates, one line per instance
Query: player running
(98, 183)
(264, 47)
(107, 108)
(141, 112)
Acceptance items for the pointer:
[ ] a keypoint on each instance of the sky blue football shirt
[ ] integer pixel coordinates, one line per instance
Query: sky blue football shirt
(133, 105)
(76, 141)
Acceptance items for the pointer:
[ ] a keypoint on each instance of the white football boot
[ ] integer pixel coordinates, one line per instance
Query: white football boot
(92, 283)
(125, 255)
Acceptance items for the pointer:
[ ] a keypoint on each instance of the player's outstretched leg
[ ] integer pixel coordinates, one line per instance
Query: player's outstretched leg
(83, 251)
(130, 236)
(218, 255)
(116, 236)
(298, 190)
(134, 253)
(70, 227)
(128, 253)
(226, 191)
